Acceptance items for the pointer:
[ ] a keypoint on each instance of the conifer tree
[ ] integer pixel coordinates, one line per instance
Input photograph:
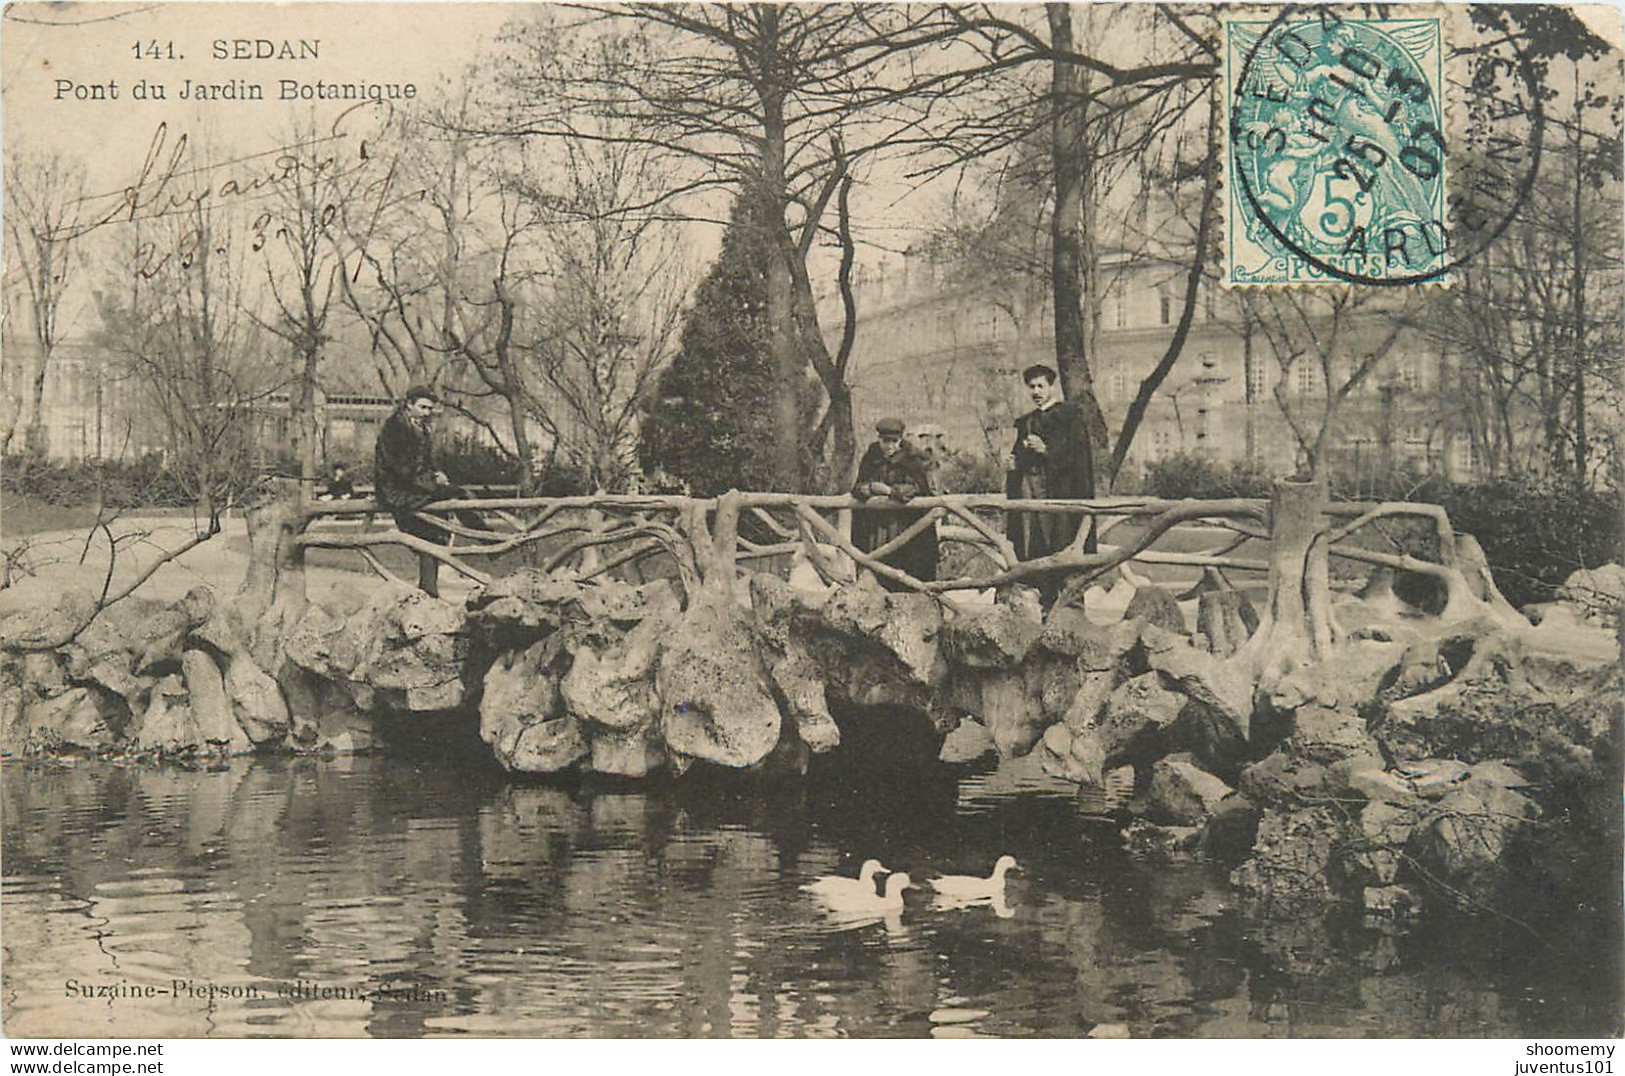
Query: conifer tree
(711, 423)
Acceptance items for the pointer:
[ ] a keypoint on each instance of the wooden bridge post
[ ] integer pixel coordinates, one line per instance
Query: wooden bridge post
(1296, 628)
(276, 561)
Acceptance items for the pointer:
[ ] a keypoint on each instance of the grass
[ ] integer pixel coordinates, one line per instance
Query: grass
(21, 516)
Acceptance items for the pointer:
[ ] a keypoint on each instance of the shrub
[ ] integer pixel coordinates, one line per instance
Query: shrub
(970, 472)
(1188, 475)
(1535, 534)
(472, 463)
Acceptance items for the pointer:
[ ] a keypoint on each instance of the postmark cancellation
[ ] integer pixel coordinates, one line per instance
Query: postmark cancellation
(1361, 150)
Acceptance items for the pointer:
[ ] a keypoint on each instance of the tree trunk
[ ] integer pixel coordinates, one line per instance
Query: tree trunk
(782, 347)
(1067, 239)
(1296, 629)
(306, 429)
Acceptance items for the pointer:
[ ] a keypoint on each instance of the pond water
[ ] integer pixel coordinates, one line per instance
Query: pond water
(410, 895)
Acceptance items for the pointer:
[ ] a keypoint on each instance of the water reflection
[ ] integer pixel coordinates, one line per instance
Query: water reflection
(392, 897)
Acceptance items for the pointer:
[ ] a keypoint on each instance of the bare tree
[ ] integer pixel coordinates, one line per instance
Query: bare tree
(1327, 344)
(608, 313)
(774, 102)
(183, 333)
(43, 197)
(1103, 176)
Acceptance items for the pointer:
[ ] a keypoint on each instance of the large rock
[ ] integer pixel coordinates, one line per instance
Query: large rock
(904, 626)
(1011, 714)
(1133, 729)
(45, 672)
(801, 683)
(413, 648)
(210, 705)
(1372, 857)
(78, 719)
(1285, 781)
(256, 700)
(990, 637)
(168, 726)
(1459, 844)
(716, 703)
(325, 643)
(1225, 689)
(1073, 756)
(522, 716)
(1181, 793)
(1156, 605)
(1288, 869)
(34, 616)
(1597, 594)
(1323, 734)
(613, 685)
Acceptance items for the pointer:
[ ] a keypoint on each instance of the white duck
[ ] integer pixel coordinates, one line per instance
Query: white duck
(833, 888)
(857, 906)
(963, 887)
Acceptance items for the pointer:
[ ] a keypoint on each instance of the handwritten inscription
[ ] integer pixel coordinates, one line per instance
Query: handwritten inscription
(349, 162)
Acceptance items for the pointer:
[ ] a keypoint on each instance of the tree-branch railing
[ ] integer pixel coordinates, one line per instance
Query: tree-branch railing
(589, 536)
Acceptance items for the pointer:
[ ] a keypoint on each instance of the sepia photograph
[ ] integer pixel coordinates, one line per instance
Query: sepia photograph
(1091, 521)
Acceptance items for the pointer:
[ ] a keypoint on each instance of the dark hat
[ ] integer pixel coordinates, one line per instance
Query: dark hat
(421, 392)
(889, 425)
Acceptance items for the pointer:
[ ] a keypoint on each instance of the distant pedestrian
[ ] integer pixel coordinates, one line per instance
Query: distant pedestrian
(894, 469)
(929, 441)
(1051, 460)
(339, 486)
(406, 478)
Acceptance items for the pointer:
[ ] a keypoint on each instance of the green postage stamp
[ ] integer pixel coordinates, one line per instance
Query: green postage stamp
(1344, 134)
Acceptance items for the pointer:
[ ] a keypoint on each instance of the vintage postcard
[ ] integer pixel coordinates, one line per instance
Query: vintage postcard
(1071, 521)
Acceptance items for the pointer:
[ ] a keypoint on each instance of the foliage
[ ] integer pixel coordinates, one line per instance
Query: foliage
(970, 472)
(473, 463)
(1189, 475)
(148, 482)
(1534, 533)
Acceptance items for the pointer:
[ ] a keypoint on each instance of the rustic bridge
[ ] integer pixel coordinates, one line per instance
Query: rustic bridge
(710, 541)
(587, 537)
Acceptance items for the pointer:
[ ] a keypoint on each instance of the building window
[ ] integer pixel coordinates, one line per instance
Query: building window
(1408, 375)
(1465, 459)
(1415, 435)
(1122, 311)
(1257, 381)
(1167, 308)
(1307, 380)
(1119, 384)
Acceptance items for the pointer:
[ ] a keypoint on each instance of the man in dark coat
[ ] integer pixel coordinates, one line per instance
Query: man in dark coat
(405, 478)
(1051, 460)
(891, 468)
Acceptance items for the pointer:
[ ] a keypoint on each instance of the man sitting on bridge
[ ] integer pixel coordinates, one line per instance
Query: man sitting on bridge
(406, 478)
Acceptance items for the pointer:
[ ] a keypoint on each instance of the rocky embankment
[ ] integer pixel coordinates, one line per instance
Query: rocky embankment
(1417, 761)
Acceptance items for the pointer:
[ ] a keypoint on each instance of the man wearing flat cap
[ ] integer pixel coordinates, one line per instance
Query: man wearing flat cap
(893, 469)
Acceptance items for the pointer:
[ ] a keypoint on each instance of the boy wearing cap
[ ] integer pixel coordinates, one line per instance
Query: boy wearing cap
(894, 469)
(406, 479)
